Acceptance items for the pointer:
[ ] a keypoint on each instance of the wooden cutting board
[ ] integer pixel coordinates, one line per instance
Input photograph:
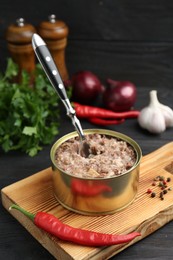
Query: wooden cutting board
(145, 214)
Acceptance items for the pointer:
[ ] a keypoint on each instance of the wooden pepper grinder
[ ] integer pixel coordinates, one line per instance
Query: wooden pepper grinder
(55, 32)
(19, 37)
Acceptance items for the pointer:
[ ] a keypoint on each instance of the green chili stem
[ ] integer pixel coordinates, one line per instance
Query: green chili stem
(26, 213)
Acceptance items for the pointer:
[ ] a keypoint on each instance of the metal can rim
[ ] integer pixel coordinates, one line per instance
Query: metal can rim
(112, 133)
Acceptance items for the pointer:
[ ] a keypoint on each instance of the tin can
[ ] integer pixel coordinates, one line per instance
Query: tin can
(121, 190)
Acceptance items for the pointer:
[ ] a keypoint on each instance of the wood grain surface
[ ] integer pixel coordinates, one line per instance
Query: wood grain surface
(122, 39)
(144, 215)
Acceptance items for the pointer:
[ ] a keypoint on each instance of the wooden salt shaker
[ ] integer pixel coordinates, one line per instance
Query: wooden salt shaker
(19, 36)
(55, 32)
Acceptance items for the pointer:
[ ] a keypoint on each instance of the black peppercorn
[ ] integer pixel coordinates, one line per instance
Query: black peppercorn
(161, 194)
(153, 194)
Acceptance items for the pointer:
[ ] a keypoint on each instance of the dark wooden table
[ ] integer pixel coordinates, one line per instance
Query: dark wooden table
(17, 243)
(125, 40)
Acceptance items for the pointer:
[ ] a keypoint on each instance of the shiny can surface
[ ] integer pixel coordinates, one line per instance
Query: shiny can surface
(118, 192)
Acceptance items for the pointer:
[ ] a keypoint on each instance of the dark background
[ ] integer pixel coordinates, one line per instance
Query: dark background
(125, 40)
(131, 39)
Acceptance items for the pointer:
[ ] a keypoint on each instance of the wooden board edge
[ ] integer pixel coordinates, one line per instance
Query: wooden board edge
(39, 175)
(37, 233)
(145, 228)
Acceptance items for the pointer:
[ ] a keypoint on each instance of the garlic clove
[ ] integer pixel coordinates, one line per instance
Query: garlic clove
(165, 110)
(152, 120)
(156, 117)
(168, 114)
(157, 124)
(145, 117)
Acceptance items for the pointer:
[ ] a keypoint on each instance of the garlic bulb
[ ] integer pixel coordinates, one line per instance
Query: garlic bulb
(168, 114)
(156, 117)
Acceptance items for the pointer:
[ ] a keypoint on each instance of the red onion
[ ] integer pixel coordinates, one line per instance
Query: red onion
(85, 87)
(119, 95)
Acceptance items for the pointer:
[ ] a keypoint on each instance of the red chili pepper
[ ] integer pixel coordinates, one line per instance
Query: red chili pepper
(101, 121)
(83, 111)
(54, 226)
(84, 188)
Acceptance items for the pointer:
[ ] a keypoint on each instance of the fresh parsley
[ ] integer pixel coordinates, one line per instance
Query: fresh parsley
(29, 116)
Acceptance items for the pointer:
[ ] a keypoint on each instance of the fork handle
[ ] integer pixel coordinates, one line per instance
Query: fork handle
(48, 64)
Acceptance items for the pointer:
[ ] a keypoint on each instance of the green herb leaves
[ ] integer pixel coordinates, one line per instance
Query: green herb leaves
(29, 117)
